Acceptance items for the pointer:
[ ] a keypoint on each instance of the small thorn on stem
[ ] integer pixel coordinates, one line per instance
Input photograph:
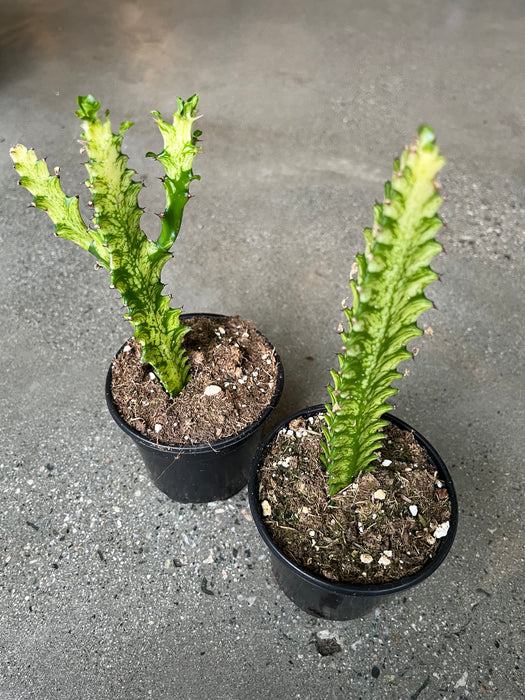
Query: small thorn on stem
(161, 216)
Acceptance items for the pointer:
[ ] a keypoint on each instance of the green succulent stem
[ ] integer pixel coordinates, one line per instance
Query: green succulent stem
(114, 235)
(388, 297)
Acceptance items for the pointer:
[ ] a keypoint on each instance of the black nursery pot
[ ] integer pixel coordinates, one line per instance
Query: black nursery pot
(200, 473)
(343, 601)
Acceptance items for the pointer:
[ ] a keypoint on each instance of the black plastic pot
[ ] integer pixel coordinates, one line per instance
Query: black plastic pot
(342, 601)
(200, 473)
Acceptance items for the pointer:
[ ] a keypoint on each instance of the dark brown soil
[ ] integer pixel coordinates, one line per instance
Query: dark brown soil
(227, 354)
(366, 533)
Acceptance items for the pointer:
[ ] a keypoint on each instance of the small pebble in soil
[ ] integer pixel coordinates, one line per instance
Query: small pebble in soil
(384, 560)
(413, 510)
(266, 509)
(441, 530)
(158, 427)
(379, 495)
(366, 558)
(386, 462)
(212, 390)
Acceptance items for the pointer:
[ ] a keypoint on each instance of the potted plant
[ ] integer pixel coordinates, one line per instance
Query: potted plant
(353, 503)
(193, 390)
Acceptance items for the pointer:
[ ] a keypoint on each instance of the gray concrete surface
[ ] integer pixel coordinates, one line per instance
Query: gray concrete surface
(305, 105)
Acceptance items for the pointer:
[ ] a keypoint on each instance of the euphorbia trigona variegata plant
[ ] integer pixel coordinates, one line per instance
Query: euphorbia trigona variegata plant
(114, 235)
(388, 297)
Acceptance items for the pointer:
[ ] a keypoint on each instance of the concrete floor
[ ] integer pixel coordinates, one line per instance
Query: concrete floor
(305, 105)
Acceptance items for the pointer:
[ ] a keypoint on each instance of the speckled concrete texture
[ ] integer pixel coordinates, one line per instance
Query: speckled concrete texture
(109, 590)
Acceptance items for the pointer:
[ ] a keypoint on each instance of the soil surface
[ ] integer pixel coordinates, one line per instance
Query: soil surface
(387, 524)
(233, 379)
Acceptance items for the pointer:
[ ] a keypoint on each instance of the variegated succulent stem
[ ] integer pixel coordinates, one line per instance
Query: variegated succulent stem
(114, 237)
(388, 297)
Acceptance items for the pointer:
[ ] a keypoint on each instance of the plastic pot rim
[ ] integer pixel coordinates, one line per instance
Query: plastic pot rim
(343, 588)
(216, 445)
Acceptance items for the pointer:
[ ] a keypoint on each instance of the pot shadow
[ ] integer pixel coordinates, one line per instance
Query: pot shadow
(26, 38)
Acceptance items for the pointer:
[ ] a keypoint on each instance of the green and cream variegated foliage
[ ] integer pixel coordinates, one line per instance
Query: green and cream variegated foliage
(114, 235)
(388, 297)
